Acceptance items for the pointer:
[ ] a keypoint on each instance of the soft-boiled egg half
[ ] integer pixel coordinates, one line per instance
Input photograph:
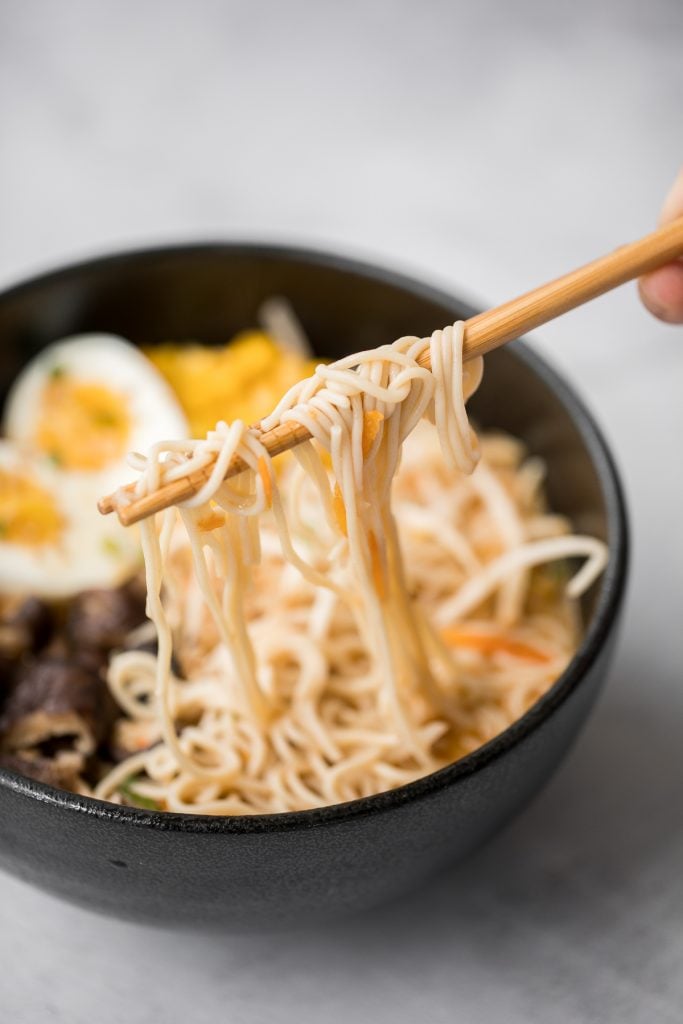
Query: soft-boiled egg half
(71, 418)
(86, 402)
(53, 542)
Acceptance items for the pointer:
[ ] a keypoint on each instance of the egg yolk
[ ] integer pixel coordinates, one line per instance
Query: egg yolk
(241, 380)
(82, 425)
(28, 513)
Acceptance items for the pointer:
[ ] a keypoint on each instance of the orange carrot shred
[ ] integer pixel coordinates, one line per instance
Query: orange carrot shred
(265, 477)
(372, 421)
(491, 643)
(339, 509)
(211, 521)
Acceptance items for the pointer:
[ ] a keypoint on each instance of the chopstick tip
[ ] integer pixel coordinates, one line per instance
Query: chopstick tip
(106, 505)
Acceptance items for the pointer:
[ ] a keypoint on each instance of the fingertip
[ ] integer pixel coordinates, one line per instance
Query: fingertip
(661, 292)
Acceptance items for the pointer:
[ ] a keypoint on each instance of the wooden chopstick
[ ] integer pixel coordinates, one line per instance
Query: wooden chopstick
(483, 333)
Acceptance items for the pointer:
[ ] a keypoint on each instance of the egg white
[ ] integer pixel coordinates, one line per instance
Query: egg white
(110, 361)
(89, 551)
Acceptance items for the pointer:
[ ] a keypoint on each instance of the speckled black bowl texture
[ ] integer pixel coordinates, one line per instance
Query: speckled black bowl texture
(273, 870)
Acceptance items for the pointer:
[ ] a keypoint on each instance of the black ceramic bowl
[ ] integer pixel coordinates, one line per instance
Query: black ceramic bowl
(268, 870)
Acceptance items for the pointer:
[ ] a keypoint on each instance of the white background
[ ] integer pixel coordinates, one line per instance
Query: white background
(487, 146)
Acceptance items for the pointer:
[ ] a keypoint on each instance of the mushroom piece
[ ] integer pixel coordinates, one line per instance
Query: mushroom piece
(62, 771)
(100, 620)
(26, 625)
(55, 705)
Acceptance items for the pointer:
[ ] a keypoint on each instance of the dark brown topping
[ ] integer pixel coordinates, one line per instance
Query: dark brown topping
(100, 620)
(56, 703)
(56, 712)
(7, 671)
(62, 771)
(25, 626)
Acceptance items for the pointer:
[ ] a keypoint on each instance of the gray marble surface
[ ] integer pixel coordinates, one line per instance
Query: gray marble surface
(487, 147)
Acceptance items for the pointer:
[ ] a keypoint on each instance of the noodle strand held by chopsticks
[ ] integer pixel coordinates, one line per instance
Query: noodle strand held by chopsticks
(325, 664)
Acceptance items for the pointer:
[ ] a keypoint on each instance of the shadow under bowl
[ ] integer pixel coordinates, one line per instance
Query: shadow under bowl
(267, 871)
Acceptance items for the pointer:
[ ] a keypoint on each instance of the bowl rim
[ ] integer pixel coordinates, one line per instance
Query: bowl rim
(612, 583)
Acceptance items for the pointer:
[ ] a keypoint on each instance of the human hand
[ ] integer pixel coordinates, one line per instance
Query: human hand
(662, 290)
